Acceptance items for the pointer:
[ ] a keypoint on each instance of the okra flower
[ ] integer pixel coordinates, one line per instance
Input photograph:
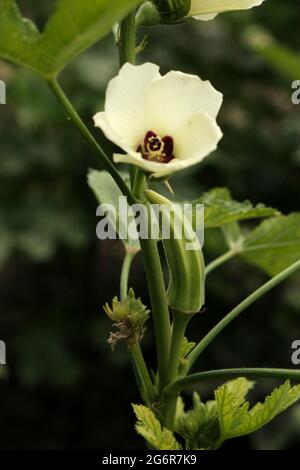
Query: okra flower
(209, 9)
(163, 123)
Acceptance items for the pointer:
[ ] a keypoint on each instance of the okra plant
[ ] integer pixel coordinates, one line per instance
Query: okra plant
(163, 124)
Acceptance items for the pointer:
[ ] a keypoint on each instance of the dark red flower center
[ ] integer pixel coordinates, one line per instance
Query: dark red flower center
(157, 149)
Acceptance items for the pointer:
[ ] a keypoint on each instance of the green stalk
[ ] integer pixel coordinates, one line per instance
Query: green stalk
(159, 307)
(125, 274)
(93, 145)
(157, 291)
(127, 40)
(138, 183)
(233, 235)
(176, 387)
(152, 263)
(180, 322)
(143, 374)
(239, 309)
(219, 261)
(143, 378)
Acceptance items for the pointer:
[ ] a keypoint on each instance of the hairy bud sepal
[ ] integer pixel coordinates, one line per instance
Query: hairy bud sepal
(129, 318)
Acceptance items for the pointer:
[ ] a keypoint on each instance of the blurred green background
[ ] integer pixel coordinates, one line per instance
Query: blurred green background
(62, 386)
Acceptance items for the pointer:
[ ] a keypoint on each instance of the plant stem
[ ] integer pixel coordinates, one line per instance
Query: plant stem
(159, 306)
(143, 377)
(143, 380)
(127, 40)
(180, 322)
(142, 370)
(219, 261)
(154, 274)
(94, 146)
(156, 287)
(125, 274)
(239, 309)
(233, 235)
(138, 184)
(176, 387)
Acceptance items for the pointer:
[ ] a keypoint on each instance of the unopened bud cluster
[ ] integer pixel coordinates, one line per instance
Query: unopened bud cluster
(162, 11)
(129, 318)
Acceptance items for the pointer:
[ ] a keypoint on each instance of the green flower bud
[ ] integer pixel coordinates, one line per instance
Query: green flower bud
(129, 318)
(173, 11)
(147, 15)
(186, 266)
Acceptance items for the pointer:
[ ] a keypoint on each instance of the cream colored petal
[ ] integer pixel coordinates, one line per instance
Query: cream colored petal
(156, 169)
(196, 138)
(204, 7)
(100, 120)
(135, 158)
(125, 101)
(205, 17)
(175, 97)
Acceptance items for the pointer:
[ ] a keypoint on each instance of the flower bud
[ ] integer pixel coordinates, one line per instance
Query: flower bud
(173, 10)
(147, 15)
(129, 318)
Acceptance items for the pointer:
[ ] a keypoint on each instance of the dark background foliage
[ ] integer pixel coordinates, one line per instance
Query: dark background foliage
(62, 386)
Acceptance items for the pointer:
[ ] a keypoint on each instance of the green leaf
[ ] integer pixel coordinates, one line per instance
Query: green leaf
(74, 26)
(208, 425)
(220, 209)
(274, 244)
(199, 426)
(235, 417)
(186, 347)
(151, 430)
(77, 24)
(19, 37)
(231, 402)
(107, 192)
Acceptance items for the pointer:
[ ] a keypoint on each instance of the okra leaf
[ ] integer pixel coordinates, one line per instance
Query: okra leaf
(274, 244)
(208, 425)
(186, 347)
(150, 429)
(73, 27)
(236, 418)
(108, 193)
(220, 209)
(199, 426)
(76, 25)
(19, 37)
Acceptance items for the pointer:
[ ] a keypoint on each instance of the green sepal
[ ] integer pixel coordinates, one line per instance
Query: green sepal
(147, 15)
(173, 11)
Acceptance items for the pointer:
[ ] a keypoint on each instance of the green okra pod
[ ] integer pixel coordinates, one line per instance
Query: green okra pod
(186, 290)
